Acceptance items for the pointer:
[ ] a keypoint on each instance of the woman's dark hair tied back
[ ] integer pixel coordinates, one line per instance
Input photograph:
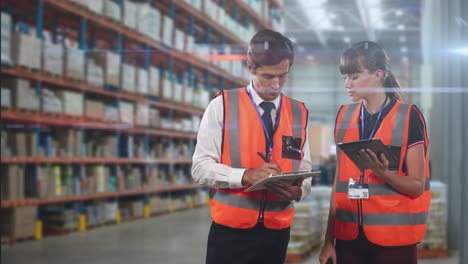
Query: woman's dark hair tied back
(368, 55)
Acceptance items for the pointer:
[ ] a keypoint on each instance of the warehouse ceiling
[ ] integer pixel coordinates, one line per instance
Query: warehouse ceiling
(322, 29)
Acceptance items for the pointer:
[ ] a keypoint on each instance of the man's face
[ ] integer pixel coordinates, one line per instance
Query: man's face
(268, 80)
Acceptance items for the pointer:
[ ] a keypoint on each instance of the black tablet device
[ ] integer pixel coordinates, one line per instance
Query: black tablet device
(351, 149)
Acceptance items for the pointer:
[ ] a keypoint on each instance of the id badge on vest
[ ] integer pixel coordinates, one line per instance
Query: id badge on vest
(357, 190)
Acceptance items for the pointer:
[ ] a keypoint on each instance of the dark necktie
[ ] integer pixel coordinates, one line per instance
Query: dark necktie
(267, 107)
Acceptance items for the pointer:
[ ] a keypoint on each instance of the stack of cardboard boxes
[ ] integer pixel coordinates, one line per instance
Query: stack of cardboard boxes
(25, 50)
(18, 222)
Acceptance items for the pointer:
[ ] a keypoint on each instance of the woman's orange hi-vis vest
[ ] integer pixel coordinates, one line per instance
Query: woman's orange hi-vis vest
(243, 137)
(388, 217)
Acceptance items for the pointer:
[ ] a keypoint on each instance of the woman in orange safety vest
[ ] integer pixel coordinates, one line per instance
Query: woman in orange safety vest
(378, 214)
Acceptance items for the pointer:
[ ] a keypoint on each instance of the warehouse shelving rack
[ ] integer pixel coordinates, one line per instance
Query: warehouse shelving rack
(92, 31)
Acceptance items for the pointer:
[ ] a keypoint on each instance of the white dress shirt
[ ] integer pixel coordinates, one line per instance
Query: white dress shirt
(206, 167)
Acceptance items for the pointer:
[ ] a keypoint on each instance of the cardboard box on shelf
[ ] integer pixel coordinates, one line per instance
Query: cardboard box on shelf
(179, 40)
(111, 113)
(154, 82)
(5, 38)
(6, 97)
(190, 43)
(178, 92)
(159, 205)
(74, 63)
(142, 115)
(127, 112)
(168, 31)
(320, 140)
(149, 21)
(167, 89)
(127, 81)
(25, 50)
(66, 142)
(18, 222)
(79, 148)
(94, 73)
(94, 109)
(112, 10)
(129, 14)
(9, 185)
(4, 148)
(50, 102)
(142, 80)
(23, 95)
(154, 118)
(72, 102)
(137, 208)
(17, 143)
(52, 58)
(110, 63)
(188, 96)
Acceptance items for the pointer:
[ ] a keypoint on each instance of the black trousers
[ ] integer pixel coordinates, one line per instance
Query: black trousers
(255, 245)
(362, 251)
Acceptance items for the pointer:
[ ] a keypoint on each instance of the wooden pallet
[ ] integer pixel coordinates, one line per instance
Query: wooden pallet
(51, 75)
(73, 80)
(25, 68)
(59, 231)
(110, 223)
(13, 240)
(427, 253)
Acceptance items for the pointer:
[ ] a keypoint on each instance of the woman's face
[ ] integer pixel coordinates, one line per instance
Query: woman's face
(362, 84)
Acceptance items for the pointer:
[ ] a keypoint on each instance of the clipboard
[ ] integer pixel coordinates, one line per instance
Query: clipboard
(351, 149)
(260, 185)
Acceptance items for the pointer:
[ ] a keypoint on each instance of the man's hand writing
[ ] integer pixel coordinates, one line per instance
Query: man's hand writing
(252, 176)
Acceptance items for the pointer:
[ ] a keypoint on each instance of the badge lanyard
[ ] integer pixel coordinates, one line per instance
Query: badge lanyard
(269, 140)
(376, 121)
(373, 129)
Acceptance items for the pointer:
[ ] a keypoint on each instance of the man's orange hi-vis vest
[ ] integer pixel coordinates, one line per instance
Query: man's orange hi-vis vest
(388, 217)
(243, 137)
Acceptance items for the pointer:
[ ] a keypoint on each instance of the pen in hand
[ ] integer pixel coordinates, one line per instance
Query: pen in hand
(264, 157)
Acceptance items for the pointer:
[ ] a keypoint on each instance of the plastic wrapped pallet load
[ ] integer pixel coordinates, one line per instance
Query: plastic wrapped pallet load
(52, 58)
(5, 38)
(149, 21)
(74, 63)
(110, 63)
(435, 239)
(112, 10)
(129, 14)
(25, 51)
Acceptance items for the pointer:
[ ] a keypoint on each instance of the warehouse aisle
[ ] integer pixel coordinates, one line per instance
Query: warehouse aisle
(178, 238)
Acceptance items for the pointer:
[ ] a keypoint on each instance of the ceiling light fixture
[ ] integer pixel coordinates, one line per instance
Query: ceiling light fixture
(401, 27)
(347, 39)
(404, 49)
(399, 12)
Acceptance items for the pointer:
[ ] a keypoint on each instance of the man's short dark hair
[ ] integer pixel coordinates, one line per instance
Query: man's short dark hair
(268, 47)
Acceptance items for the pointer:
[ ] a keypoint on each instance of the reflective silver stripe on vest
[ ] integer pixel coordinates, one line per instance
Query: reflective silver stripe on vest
(382, 219)
(399, 126)
(394, 219)
(297, 126)
(346, 216)
(376, 189)
(345, 122)
(249, 203)
(233, 127)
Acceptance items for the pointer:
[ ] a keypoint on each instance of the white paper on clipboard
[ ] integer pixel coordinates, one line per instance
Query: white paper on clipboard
(286, 176)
